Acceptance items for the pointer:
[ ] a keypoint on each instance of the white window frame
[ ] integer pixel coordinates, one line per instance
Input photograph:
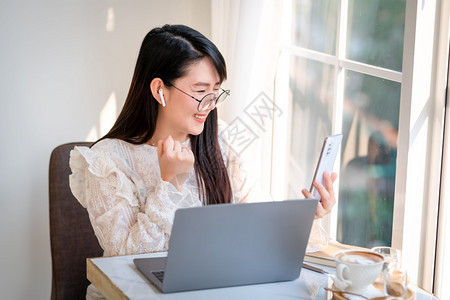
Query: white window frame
(442, 271)
(421, 129)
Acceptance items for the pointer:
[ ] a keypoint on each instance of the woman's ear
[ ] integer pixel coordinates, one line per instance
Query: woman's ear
(157, 89)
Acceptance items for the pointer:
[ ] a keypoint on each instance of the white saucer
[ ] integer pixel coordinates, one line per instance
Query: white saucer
(369, 292)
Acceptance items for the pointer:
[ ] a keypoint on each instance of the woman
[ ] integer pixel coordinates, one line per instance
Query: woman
(164, 151)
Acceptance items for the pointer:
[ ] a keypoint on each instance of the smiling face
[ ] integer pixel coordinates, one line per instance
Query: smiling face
(180, 116)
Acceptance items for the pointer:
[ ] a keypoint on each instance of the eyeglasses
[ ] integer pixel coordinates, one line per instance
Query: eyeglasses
(207, 100)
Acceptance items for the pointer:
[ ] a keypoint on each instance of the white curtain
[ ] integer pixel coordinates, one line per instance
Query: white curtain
(250, 35)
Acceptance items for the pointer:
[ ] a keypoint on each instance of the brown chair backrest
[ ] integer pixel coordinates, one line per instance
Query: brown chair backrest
(72, 238)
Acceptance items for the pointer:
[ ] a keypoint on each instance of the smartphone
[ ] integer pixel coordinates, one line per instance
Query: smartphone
(328, 154)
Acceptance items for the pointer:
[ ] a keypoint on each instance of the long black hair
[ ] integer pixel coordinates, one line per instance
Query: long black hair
(166, 53)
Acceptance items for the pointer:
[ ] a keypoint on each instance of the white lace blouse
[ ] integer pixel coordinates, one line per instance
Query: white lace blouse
(130, 207)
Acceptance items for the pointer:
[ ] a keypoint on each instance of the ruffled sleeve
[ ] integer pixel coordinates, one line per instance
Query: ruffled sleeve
(126, 216)
(86, 163)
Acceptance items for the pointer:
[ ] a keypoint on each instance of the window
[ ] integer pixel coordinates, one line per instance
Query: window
(344, 74)
(373, 71)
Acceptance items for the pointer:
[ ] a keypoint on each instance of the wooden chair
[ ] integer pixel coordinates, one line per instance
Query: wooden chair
(72, 238)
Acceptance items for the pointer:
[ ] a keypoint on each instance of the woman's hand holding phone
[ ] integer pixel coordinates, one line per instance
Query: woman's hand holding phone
(326, 192)
(323, 179)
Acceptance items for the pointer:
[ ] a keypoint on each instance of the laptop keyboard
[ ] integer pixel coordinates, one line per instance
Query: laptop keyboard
(159, 275)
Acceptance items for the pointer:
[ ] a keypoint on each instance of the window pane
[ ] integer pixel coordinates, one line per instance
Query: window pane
(375, 32)
(311, 86)
(369, 153)
(315, 25)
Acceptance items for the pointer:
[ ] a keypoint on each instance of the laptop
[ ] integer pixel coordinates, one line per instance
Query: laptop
(233, 244)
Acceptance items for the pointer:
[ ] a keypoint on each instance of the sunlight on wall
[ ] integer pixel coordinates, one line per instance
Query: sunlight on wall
(108, 114)
(110, 20)
(92, 135)
(107, 118)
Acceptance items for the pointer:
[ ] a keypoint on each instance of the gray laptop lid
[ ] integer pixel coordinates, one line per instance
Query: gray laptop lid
(235, 244)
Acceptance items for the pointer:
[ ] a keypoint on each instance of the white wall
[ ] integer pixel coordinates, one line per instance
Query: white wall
(60, 62)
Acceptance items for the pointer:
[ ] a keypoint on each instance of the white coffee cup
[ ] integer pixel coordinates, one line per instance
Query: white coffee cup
(357, 269)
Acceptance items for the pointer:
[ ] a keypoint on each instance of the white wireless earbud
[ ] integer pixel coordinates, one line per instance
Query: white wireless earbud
(161, 95)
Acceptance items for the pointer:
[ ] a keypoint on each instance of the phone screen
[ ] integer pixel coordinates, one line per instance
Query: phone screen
(328, 154)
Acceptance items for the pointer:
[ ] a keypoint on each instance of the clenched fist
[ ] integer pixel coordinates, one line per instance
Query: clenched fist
(175, 161)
